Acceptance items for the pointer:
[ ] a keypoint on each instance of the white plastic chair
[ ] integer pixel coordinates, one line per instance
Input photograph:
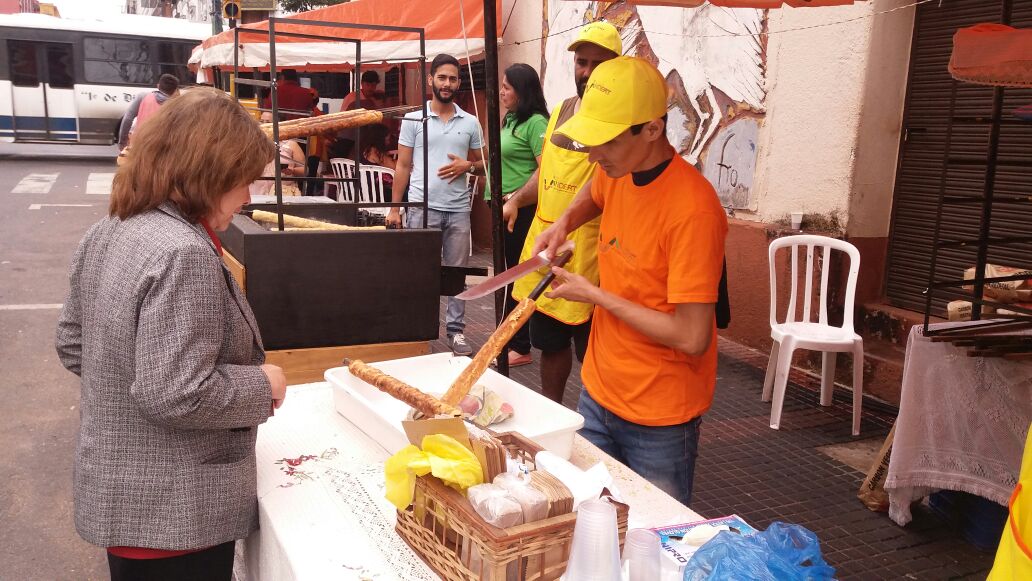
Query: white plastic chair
(373, 188)
(344, 168)
(817, 336)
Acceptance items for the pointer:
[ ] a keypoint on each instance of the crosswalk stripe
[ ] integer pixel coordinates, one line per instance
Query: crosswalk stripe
(35, 307)
(41, 206)
(36, 183)
(99, 184)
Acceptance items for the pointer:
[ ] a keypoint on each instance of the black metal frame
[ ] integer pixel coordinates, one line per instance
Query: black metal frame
(984, 240)
(272, 34)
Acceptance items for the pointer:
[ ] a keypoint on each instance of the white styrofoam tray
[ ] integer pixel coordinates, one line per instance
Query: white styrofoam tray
(379, 416)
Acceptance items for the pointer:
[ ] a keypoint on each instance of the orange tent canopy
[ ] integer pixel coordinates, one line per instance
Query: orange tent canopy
(442, 27)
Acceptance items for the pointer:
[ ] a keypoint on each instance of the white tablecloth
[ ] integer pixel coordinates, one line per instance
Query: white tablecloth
(962, 424)
(325, 516)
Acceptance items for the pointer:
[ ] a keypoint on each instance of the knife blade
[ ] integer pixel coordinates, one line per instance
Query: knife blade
(509, 276)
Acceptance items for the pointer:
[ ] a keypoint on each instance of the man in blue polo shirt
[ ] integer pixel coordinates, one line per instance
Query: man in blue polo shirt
(453, 139)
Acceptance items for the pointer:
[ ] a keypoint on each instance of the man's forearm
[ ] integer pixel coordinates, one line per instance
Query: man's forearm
(663, 328)
(401, 181)
(527, 194)
(580, 211)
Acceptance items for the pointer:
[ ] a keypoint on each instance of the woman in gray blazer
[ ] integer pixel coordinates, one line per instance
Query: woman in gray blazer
(173, 376)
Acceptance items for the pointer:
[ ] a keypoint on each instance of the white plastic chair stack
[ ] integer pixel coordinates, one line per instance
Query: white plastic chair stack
(373, 188)
(805, 334)
(344, 168)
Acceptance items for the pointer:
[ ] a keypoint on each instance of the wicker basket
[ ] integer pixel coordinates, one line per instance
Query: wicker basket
(458, 545)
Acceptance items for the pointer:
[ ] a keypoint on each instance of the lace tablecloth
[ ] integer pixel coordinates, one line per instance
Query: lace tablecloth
(321, 505)
(962, 424)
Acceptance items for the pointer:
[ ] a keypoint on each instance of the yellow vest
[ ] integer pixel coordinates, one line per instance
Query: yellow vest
(562, 174)
(1014, 556)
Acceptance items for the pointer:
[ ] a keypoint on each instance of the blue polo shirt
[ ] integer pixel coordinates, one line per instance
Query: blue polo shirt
(460, 134)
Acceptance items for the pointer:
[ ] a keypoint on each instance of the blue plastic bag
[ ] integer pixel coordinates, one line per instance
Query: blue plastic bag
(783, 552)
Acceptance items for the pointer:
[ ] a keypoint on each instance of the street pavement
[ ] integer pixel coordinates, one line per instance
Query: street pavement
(744, 467)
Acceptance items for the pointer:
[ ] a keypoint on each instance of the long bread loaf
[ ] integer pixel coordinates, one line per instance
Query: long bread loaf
(427, 404)
(494, 345)
(296, 221)
(324, 124)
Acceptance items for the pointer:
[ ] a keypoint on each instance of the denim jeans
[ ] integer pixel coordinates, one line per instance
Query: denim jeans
(663, 455)
(455, 229)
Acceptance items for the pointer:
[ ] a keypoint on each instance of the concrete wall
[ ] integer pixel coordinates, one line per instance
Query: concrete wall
(524, 23)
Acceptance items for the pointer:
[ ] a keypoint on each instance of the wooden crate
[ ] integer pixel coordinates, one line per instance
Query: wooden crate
(445, 530)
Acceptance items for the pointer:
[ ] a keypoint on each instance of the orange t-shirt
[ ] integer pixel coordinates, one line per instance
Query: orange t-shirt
(659, 245)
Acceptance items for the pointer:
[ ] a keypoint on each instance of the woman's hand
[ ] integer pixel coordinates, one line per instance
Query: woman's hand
(509, 213)
(278, 381)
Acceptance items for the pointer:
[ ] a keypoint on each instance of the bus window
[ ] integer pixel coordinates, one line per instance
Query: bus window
(120, 61)
(172, 59)
(59, 66)
(22, 57)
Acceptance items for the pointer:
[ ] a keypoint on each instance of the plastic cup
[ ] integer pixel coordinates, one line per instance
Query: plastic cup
(642, 555)
(595, 554)
(797, 220)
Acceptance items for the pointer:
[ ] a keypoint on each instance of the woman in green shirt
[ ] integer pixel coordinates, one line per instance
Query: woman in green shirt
(523, 133)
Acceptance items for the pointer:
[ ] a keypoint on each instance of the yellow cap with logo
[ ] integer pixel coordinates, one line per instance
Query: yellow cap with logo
(599, 33)
(621, 92)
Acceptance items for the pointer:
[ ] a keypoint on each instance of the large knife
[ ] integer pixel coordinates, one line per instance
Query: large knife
(510, 276)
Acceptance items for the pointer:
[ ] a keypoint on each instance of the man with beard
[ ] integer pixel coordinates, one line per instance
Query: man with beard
(564, 170)
(453, 137)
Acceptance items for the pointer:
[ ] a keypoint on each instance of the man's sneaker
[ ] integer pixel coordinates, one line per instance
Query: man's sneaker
(459, 345)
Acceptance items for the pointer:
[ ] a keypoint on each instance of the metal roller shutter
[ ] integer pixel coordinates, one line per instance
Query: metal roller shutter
(924, 167)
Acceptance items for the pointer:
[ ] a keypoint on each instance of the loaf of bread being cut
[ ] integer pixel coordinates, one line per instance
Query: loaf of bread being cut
(425, 403)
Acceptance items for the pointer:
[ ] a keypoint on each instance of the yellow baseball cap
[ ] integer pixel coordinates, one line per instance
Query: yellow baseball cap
(621, 92)
(599, 33)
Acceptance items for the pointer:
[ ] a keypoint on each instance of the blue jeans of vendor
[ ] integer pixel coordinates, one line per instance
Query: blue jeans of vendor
(663, 455)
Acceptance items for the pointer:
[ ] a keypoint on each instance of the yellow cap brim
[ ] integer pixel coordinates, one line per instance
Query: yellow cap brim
(591, 132)
(573, 45)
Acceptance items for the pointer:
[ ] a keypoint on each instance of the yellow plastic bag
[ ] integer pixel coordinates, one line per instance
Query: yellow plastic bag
(442, 456)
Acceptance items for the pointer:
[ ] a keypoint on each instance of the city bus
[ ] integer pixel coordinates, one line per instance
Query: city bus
(64, 80)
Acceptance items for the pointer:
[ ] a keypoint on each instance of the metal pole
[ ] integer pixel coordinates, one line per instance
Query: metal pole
(494, 152)
(275, 121)
(424, 126)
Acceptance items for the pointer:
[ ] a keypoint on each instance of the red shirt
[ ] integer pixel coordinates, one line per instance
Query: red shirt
(290, 95)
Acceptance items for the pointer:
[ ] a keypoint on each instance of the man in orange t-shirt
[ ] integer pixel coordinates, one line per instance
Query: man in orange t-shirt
(651, 365)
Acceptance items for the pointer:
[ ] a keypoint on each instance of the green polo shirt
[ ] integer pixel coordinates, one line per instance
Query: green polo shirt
(520, 149)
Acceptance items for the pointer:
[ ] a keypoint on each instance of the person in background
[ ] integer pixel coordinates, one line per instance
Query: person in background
(453, 136)
(564, 169)
(368, 90)
(523, 135)
(651, 365)
(144, 106)
(292, 164)
(316, 150)
(374, 153)
(367, 97)
(173, 373)
(290, 95)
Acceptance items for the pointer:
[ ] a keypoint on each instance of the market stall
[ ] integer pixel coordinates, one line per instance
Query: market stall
(329, 285)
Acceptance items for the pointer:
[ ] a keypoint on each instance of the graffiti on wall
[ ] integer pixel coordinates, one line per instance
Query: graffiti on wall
(713, 59)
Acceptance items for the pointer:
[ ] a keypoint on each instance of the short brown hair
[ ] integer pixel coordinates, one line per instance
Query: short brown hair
(198, 147)
(168, 84)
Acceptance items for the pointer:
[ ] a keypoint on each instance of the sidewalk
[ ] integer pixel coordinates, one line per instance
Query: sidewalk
(766, 475)
(19, 151)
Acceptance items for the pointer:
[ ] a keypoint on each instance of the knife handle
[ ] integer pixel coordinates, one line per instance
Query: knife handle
(560, 260)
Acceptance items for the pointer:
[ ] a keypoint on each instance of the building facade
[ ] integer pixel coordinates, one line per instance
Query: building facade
(839, 113)
(192, 10)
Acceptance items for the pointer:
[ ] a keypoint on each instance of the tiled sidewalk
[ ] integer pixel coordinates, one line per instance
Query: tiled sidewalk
(767, 475)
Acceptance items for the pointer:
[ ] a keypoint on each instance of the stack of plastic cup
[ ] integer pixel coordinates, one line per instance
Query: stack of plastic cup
(595, 555)
(641, 553)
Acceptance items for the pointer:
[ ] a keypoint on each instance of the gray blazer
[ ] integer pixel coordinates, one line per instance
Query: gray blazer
(168, 352)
